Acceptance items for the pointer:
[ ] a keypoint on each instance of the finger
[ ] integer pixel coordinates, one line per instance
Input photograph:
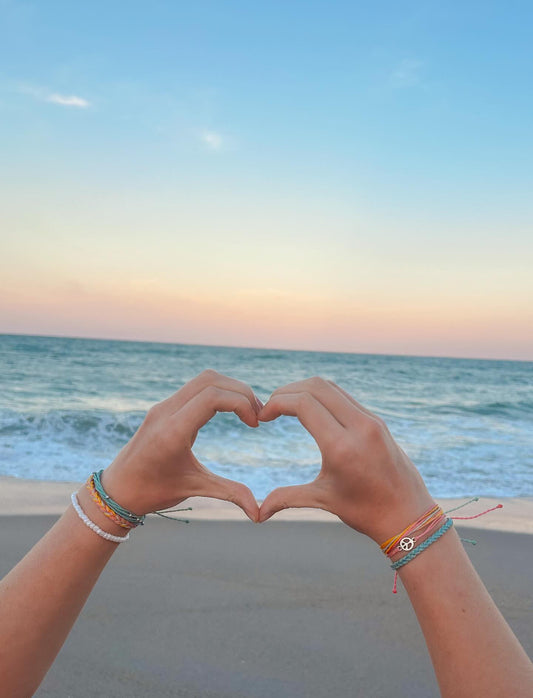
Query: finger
(349, 397)
(203, 406)
(203, 380)
(354, 402)
(230, 491)
(318, 420)
(296, 497)
(344, 411)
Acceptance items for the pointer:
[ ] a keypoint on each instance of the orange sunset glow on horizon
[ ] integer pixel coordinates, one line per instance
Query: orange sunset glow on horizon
(371, 197)
(272, 318)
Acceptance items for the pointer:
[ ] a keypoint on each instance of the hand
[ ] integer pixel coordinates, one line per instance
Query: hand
(366, 479)
(157, 468)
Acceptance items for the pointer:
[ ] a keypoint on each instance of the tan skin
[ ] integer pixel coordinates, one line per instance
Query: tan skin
(366, 479)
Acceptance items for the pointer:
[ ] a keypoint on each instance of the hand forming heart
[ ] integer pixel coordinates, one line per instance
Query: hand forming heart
(366, 479)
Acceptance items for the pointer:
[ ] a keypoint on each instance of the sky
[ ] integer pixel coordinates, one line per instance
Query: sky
(339, 176)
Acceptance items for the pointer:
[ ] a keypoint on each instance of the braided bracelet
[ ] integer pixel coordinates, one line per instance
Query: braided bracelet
(420, 548)
(424, 528)
(114, 511)
(104, 508)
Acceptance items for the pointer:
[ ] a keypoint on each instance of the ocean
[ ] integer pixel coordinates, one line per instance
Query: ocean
(69, 405)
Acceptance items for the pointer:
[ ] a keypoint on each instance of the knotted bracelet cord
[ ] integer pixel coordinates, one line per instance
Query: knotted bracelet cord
(458, 518)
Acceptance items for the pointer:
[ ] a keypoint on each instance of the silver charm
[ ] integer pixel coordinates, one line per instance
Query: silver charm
(407, 544)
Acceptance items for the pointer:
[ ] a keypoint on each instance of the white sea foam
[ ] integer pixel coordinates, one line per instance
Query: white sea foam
(70, 405)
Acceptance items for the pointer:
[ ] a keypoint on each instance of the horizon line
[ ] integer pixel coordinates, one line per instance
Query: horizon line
(236, 346)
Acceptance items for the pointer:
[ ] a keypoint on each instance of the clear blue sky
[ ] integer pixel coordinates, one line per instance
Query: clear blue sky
(376, 155)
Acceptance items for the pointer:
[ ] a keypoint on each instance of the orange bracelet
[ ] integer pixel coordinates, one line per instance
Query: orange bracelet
(423, 522)
(417, 537)
(423, 532)
(104, 508)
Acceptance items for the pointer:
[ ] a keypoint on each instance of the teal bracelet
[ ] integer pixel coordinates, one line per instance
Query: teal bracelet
(128, 515)
(420, 549)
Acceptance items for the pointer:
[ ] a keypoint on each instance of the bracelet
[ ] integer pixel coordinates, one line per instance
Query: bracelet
(129, 516)
(94, 527)
(104, 508)
(405, 540)
(424, 528)
(420, 548)
(414, 539)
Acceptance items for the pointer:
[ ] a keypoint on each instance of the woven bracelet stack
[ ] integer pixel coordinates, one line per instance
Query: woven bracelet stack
(113, 510)
(418, 536)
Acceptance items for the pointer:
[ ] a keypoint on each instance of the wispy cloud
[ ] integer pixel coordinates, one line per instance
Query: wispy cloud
(68, 101)
(212, 140)
(44, 95)
(406, 74)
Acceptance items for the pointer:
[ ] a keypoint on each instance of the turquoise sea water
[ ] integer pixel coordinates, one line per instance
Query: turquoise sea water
(69, 405)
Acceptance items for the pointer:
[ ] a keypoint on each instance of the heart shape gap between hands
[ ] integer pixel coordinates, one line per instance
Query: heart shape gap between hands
(365, 479)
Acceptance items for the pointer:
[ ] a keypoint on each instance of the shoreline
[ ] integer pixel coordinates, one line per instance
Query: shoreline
(20, 497)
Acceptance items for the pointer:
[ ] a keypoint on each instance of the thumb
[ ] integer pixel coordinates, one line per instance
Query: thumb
(231, 491)
(287, 498)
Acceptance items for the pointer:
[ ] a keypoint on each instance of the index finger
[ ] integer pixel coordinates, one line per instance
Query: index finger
(354, 402)
(345, 411)
(203, 380)
(313, 415)
(203, 407)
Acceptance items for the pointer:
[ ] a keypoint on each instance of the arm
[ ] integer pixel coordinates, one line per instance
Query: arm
(41, 598)
(43, 595)
(369, 482)
(471, 645)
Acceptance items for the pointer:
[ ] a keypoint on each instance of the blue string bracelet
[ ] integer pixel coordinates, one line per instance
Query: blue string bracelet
(420, 548)
(129, 515)
(124, 513)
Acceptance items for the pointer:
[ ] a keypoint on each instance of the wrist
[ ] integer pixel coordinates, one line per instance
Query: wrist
(123, 488)
(401, 515)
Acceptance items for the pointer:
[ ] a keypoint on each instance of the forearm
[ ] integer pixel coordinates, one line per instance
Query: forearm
(41, 598)
(473, 650)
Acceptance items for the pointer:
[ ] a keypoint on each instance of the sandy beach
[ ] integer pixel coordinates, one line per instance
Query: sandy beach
(298, 607)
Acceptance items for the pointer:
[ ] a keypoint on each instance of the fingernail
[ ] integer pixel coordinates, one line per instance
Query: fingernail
(258, 403)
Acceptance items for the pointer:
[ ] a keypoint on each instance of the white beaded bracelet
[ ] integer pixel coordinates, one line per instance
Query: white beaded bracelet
(90, 524)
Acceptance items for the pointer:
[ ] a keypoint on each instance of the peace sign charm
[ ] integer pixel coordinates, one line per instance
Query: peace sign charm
(407, 544)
